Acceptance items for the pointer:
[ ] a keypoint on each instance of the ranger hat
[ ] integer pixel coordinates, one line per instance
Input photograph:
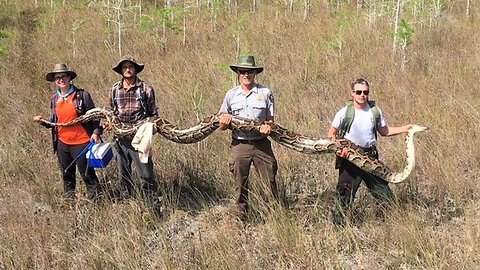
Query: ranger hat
(246, 62)
(138, 67)
(60, 68)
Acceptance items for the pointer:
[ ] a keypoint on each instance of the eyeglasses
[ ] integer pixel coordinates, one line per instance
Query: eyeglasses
(245, 71)
(57, 78)
(359, 92)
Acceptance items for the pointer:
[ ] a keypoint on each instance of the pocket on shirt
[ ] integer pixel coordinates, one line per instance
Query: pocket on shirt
(260, 109)
(236, 108)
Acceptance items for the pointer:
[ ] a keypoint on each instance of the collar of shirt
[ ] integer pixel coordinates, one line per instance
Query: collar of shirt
(64, 97)
(239, 90)
(136, 83)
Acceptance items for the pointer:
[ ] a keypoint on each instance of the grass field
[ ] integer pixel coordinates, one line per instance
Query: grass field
(421, 58)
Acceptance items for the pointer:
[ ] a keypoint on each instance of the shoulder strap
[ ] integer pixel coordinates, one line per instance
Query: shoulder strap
(53, 106)
(143, 98)
(376, 114)
(53, 101)
(350, 115)
(79, 102)
(141, 94)
(347, 120)
(114, 97)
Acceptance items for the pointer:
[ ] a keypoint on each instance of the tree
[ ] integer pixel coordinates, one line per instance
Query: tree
(120, 9)
(405, 35)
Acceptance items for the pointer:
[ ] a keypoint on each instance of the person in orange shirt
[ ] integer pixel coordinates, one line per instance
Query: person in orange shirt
(66, 105)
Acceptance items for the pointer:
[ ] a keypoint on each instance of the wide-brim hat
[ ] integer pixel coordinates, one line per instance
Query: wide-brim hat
(246, 62)
(60, 68)
(138, 67)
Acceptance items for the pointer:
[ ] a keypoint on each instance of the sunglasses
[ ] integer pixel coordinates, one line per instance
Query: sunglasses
(359, 92)
(56, 78)
(246, 71)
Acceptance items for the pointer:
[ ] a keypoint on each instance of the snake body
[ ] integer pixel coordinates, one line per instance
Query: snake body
(279, 134)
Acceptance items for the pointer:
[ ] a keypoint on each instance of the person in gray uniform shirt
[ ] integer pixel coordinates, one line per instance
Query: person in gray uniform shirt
(252, 101)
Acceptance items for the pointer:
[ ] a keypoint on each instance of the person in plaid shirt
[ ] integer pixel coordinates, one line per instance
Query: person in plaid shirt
(132, 101)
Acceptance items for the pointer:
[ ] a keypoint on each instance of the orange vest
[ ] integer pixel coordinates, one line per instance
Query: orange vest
(66, 111)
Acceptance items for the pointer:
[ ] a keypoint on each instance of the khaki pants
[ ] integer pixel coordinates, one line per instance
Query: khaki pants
(243, 154)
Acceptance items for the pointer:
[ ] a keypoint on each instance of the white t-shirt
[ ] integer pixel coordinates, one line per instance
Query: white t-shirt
(361, 132)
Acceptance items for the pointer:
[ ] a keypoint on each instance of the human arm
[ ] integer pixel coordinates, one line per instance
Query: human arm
(111, 106)
(225, 114)
(266, 128)
(39, 120)
(392, 131)
(332, 135)
(225, 120)
(335, 128)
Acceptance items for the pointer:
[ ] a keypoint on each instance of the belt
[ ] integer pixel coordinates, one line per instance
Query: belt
(123, 138)
(372, 150)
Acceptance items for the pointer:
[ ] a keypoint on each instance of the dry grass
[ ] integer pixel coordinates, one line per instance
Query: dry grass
(308, 65)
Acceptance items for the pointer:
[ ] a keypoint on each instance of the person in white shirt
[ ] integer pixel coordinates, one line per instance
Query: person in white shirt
(362, 132)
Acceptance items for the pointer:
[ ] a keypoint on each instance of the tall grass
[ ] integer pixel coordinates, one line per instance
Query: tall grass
(308, 64)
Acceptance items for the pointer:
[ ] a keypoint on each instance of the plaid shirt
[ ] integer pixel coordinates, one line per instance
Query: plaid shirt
(129, 102)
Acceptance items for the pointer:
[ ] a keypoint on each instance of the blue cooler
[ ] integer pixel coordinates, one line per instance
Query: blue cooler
(99, 155)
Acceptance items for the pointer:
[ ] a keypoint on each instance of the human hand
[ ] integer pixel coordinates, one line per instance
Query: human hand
(225, 120)
(344, 153)
(96, 138)
(265, 130)
(38, 118)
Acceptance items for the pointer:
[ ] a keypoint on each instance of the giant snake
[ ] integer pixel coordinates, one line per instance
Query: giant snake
(279, 134)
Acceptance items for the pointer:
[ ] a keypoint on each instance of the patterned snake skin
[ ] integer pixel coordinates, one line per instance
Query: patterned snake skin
(279, 134)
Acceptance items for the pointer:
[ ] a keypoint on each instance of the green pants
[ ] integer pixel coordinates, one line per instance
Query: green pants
(126, 156)
(349, 180)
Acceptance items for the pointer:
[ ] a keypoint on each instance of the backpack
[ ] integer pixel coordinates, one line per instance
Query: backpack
(141, 94)
(350, 115)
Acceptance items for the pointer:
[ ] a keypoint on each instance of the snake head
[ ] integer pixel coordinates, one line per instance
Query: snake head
(417, 128)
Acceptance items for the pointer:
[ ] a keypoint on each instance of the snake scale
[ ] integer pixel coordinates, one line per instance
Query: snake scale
(279, 134)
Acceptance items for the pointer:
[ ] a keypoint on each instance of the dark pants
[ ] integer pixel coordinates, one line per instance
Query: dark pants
(66, 154)
(126, 155)
(243, 154)
(350, 178)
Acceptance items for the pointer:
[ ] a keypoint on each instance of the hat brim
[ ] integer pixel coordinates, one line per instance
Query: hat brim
(118, 68)
(51, 75)
(236, 67)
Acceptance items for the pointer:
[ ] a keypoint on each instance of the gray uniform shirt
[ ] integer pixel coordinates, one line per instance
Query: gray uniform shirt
(256, 105)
